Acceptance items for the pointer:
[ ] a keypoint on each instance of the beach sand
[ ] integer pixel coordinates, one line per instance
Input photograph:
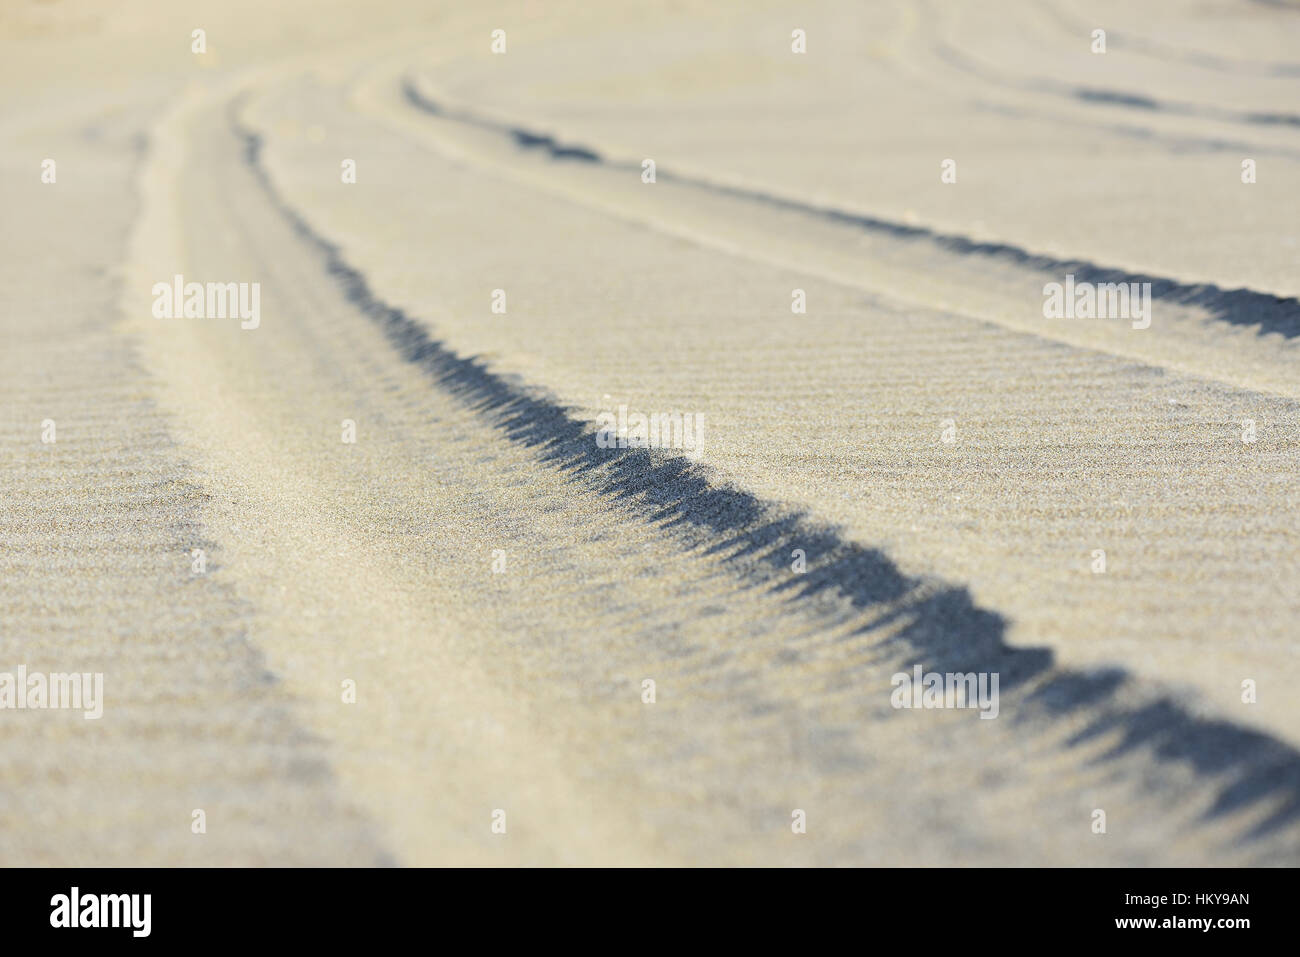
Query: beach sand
(430, 601)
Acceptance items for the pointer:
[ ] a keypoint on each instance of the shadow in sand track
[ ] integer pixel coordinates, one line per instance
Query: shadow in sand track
(524, 139)
(1244, 307)
(1104, 97)
(1172, 53)
(937, 624)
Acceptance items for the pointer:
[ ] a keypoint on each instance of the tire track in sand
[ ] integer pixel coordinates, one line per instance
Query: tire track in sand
(850, 622)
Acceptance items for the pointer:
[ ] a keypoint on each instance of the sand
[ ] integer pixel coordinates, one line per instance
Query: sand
(450, 621)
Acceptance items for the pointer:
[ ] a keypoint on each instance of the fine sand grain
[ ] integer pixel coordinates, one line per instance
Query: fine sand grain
(920, 469)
